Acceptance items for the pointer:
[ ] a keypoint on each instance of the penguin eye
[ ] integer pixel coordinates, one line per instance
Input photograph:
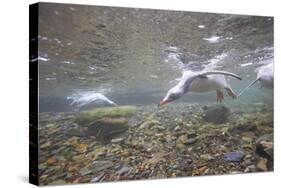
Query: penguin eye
(173, 96)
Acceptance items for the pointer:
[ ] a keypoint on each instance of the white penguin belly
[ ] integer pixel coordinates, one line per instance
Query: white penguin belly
(211, 83)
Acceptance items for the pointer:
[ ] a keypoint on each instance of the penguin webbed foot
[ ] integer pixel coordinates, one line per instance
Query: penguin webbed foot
(220, 96)
(231, 93)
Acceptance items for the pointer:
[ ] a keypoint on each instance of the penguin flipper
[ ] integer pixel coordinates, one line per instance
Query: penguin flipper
(221, 73)
(252, 83)
(205, 74)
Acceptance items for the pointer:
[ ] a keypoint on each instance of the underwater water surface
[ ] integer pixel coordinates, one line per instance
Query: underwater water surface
(103, 72)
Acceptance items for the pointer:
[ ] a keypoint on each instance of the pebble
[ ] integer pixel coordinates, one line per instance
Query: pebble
(85, 171)
(149, 124)
(250, 168)
(192, 140)
(207, 157)
(123, 170)
(57, 182)
(261, 164)
(98, 166)
(47, 144)
(177, 128)
(117, 140)
(247, 139)
(235, 172)
(234, 156)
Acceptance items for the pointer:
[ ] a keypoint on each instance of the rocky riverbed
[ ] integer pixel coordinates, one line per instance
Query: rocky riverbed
(147, 142)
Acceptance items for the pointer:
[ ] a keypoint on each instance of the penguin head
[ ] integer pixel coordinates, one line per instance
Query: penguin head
(173, 94)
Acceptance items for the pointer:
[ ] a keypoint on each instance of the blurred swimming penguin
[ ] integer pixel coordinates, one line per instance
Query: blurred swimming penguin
(90, 98)
(201, 82)
(264, 76)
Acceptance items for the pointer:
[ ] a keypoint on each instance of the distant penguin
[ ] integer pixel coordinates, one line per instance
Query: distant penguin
(90, 99)
(264, 76)
(201, 82)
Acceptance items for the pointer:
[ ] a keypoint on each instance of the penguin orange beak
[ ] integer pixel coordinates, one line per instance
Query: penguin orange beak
(162, 102)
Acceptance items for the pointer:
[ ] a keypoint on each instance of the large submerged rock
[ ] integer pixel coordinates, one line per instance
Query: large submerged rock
(103, 129)
(103, 123)
(107, 128)
(89, 116)
(215, 114)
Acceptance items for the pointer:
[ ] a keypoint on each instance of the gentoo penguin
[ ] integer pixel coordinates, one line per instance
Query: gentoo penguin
(264, 76)
(201, 82)
(90, 98)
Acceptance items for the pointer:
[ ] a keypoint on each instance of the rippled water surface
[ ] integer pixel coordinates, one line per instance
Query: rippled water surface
(136, 55)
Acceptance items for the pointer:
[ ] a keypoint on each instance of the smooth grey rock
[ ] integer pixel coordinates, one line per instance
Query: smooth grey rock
(234, 156)
(215, 114)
